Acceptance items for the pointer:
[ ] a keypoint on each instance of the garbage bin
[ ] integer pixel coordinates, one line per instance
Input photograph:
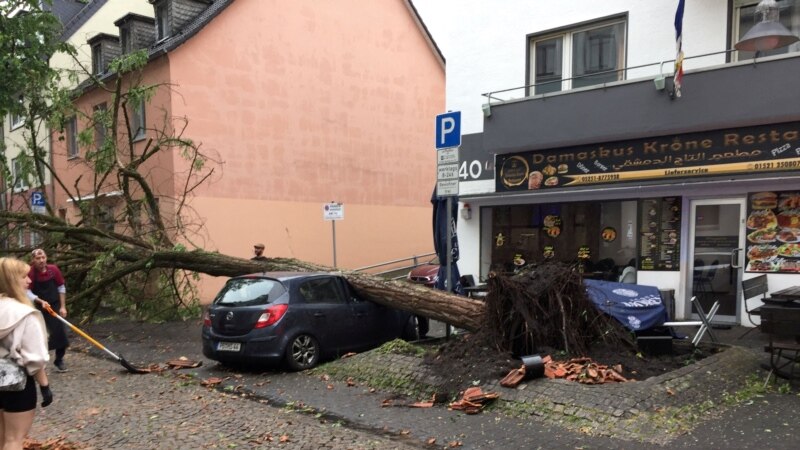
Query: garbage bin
(668, 298)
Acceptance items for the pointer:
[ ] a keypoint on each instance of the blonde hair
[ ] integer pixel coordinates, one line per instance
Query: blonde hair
(11, 270)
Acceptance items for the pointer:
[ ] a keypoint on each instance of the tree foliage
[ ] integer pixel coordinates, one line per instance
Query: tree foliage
(29, 35)
(139, 252)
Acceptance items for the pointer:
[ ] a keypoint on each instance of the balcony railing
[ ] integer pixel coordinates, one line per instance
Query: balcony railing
(505, 95)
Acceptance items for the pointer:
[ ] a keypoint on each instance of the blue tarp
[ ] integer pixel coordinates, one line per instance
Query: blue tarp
(635, 306)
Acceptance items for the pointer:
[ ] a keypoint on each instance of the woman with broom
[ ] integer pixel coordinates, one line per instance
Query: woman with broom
(23, 340)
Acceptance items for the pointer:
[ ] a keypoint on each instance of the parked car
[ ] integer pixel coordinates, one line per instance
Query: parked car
(298, 319)
(425, 273)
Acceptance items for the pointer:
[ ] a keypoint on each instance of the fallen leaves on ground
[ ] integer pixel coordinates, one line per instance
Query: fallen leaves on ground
(51, 444)
(211, 382)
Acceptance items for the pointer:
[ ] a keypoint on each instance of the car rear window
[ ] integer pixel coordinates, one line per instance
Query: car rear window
(249, 291)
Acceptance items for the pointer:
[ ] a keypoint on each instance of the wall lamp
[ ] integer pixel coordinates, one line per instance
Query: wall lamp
(487, 110)
(768, 33)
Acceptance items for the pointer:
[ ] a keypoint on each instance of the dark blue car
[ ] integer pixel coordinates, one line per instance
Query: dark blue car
(296, 318)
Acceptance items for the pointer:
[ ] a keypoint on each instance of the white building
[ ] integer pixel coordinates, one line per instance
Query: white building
(576, 145)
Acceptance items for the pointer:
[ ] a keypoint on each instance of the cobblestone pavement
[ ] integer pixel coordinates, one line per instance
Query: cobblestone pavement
(102, 407)
(99, 404)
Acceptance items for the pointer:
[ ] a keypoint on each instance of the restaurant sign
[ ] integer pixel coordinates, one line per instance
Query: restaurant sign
(766, 148)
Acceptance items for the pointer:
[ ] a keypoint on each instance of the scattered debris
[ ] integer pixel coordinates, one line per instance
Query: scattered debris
(514, 378)
(183, 363)
(473, 400)
(583, 370)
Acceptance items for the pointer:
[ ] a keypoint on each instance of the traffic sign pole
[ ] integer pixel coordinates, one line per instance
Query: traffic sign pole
(333, 227)
(333, 211)
(448, 139)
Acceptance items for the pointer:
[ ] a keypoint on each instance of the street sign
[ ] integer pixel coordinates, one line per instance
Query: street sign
(333, 211)
(37, 202)
(447, 155)
(447, 172)
(448, 129)
(447, 188)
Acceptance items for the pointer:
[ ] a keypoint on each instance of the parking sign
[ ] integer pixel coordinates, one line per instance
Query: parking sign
(448, 129)
(37, 202)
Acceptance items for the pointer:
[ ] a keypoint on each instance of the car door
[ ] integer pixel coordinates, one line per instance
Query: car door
(364, 323)
(373, 323)
(328, 315)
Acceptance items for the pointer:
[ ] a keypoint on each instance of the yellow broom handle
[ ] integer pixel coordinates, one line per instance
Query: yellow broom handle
(50, 311)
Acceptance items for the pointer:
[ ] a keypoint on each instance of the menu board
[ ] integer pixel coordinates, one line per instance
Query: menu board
(773, 232)
(659, 233)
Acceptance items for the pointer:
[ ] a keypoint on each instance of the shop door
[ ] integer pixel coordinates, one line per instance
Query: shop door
(715, 251)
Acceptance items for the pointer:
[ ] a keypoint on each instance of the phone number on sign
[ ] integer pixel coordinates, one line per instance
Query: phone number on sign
(599, 178)
(776, 165)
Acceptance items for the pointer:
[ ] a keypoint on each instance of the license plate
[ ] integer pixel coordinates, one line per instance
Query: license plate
(229, 346)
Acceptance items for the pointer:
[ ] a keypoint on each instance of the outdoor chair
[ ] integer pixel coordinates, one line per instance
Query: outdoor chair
(704, 323)
(754, 288)
(783, 347)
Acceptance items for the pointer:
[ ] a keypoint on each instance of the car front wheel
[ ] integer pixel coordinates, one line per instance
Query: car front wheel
(302, 352)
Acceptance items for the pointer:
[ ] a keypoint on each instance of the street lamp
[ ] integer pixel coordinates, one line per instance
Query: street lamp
(768, 33)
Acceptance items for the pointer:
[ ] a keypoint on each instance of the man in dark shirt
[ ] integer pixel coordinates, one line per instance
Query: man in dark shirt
(47, 285)
(258, 249)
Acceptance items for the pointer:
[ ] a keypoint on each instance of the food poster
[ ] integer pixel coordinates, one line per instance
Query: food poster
(773, 232)
(659, 233)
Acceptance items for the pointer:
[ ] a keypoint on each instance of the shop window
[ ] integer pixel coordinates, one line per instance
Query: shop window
(744, 19)
(596, 55)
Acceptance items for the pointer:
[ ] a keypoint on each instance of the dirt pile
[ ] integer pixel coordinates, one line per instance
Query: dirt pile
(547, 312)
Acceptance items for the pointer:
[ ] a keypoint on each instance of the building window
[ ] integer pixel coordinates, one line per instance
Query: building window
(72, 137)
(18, 119)
(138, 123)
(745, 18)
(125, 40)
(18, 174)
(584, 56)
(97, 59)
(162, 21)
(99, 125)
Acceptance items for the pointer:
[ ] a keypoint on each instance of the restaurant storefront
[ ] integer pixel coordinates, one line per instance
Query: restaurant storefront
(711, 227)
(695, 212)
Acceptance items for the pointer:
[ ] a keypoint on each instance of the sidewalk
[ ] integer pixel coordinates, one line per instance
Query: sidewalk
(97, 402)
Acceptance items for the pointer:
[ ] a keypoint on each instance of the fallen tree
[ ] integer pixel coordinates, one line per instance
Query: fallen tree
(79, 248)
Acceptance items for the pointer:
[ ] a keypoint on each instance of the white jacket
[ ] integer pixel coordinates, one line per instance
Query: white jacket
(22, 336)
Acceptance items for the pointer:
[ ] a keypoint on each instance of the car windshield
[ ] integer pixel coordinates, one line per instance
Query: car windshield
(249, 291)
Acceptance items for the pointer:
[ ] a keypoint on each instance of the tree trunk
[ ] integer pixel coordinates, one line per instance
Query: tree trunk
(455, 310)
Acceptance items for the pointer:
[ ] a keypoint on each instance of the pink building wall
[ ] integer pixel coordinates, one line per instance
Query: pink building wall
(306, 102)
(309, 102)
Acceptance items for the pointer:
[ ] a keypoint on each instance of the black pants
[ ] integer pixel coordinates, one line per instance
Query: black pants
(60, 352)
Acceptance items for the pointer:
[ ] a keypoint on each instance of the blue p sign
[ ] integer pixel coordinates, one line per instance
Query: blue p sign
(37, 198)
(448, 130)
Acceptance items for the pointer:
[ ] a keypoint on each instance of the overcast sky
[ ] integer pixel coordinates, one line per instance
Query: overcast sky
(435, 15)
